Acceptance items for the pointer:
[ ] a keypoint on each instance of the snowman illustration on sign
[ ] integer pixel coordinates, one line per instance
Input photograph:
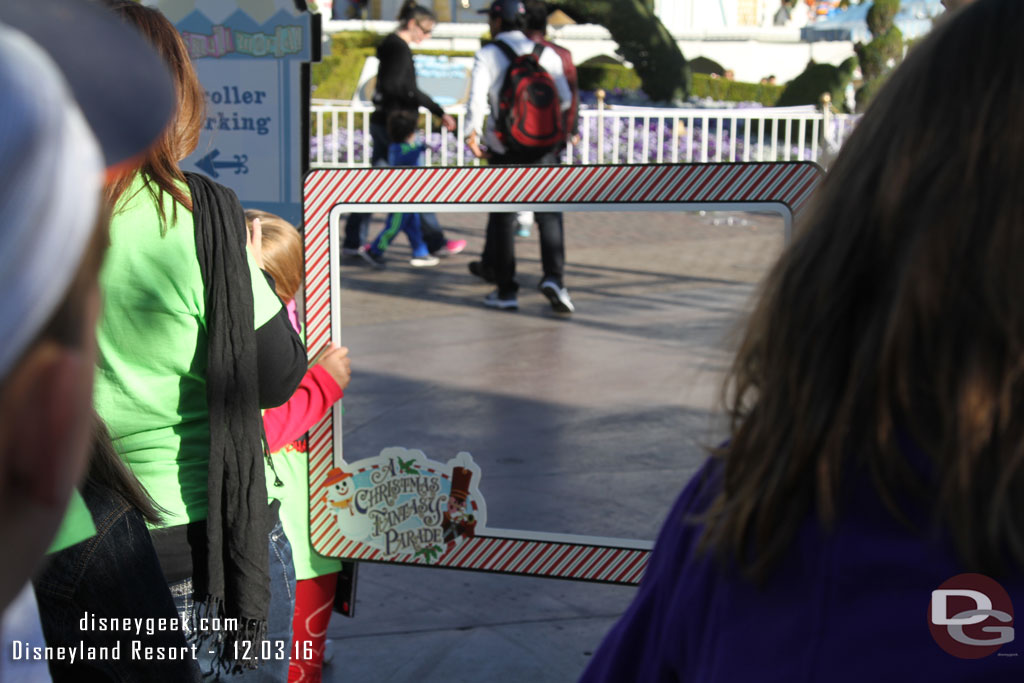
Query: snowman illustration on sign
(340, 492)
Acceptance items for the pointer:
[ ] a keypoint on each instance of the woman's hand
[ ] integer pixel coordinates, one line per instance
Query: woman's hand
(254, 242)
(336, 362)
(448, 121)
(474, 147)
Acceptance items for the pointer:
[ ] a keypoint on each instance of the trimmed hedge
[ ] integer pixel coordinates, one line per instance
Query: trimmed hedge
(817, 79)
(736, 91)
(337, 76)
(597, 73)
(886, 46)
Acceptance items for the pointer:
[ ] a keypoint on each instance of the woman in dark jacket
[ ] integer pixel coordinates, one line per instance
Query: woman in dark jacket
(397, 91)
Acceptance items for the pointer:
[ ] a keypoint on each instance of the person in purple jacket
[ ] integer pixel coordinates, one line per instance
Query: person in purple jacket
(865, 519)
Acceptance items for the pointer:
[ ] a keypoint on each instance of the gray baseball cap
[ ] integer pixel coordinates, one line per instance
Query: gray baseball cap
(120, 83)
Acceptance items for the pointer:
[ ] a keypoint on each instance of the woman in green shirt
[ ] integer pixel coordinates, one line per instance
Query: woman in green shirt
(192, 343)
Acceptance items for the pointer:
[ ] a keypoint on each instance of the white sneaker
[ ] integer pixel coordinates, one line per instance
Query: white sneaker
(492, 300)
(349, 251)
(424, 261)
(558, 296)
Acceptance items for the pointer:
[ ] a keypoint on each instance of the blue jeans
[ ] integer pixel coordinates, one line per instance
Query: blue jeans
(357, 225)
(409, 223)
(113, 574)
(275, 650)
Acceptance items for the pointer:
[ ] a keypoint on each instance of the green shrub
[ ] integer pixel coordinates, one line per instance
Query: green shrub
(867, 92)
(886, 46)
(350, 39)
(881, 15)
(703, 65)
(337, 76)
(597, 73)
(608, 74)
(817, 79)
(736, 91)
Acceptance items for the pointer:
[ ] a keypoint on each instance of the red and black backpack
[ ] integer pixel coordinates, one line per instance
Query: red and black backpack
(529, 119)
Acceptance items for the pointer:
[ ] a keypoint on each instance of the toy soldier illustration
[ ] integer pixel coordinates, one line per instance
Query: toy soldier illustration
(458, 521)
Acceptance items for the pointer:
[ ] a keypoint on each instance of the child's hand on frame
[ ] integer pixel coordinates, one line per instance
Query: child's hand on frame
(336, 362)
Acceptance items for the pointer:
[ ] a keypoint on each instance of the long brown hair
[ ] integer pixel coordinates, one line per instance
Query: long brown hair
(160, 165)
(107, 470)
(892, 329)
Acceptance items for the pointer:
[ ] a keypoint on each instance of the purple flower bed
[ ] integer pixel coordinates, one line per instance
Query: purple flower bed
(361, 145)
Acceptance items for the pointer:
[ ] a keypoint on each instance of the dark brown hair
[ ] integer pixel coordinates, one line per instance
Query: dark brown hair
(894, 323)
(413, 11)
(536, 15)
(401, 124)
(282, 252)
(106, 469)
(160, 165)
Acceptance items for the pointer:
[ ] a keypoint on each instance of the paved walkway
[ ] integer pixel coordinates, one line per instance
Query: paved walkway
(585, 425)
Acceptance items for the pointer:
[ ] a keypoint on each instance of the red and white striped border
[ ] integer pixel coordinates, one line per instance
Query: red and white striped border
(522, 557)
(786, 183)
(789, 184)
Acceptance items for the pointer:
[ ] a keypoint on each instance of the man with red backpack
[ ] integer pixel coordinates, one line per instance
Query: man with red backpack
(536, 30)
(522, 89)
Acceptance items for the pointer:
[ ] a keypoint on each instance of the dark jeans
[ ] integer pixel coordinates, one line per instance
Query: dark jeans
(113, 574)
(500, 247)
(275, 650)
(357, 225)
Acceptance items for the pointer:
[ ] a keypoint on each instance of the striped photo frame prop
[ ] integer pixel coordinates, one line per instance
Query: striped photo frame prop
(414, 526)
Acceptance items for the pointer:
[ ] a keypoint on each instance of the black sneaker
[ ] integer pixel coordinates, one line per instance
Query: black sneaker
(508, 303)
(557, 295)
(375, 260)
(485, 273)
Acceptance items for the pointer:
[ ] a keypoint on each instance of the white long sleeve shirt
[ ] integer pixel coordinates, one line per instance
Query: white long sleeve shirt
(489, 67)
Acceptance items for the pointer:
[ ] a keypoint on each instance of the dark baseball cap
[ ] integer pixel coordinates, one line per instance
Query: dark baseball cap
(120, 83)
(508, 9)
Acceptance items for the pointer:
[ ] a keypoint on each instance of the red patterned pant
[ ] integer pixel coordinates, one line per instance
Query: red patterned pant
(314, 601)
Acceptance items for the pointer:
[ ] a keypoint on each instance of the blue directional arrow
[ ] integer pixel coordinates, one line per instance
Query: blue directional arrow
(208, 166)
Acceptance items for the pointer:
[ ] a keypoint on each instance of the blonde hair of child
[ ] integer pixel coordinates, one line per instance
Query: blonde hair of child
(282, 252)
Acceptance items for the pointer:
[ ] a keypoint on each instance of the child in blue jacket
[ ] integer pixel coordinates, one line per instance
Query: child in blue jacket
(403, 151)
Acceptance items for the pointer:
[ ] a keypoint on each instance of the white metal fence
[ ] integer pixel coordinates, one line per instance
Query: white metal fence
(340, 135)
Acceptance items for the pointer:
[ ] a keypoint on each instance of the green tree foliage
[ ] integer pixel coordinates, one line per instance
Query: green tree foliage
(885, 49)
(642, 39)
(817, 79)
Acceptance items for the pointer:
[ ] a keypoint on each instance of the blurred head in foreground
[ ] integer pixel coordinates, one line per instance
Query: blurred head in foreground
(889, 338)
(51, 171)
(65, 121)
